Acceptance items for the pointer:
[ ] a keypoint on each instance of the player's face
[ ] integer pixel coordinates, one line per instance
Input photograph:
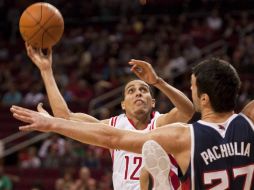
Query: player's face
(138, 98)
(194, 91)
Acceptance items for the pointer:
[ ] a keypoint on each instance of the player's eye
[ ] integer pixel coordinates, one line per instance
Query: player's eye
(130, 91)
(144, 90)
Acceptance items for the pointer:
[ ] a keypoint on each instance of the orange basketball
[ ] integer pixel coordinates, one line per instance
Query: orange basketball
(41, 25)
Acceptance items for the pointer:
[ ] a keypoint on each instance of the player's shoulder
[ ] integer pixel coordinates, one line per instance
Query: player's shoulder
(114, 119)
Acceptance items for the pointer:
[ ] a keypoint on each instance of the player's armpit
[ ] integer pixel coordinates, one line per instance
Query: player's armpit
(248, 110)
(82, 117)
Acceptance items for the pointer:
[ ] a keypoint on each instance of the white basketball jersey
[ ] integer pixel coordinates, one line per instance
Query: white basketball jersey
(127, 165)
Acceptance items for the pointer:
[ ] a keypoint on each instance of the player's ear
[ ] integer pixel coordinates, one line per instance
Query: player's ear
(204, 99)
(153, 103)
(123, 105)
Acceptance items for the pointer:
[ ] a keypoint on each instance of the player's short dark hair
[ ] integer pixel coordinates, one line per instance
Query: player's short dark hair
(149, 87)
(220, 81)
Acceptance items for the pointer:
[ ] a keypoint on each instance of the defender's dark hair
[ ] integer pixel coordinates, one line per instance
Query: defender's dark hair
(220, 81)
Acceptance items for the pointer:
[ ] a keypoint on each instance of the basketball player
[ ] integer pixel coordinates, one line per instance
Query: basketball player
(215, 152)
(138, 106)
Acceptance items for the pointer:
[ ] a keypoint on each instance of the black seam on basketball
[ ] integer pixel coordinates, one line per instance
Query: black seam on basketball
(46, 32)
(36, 23)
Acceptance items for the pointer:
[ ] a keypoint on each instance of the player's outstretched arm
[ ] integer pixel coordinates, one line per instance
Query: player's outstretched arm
(248, 110)
(56, 100)
(184, 108)
(174, 138)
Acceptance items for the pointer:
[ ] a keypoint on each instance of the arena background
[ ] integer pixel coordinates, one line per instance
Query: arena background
(90, 66)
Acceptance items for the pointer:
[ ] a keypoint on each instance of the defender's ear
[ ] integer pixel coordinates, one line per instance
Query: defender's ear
(205, 99)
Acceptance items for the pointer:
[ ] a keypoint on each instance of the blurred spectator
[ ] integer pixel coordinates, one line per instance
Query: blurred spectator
(30, 159)
(82, 182)
(190, 51)
(214, 21)
(106, 181)
(81, 92)
(52, 159)
(12, 96)
(51, 151)
(92, 184)
(53, 143)
(176, 66)
(92, 160)
(5, 182)
(34, 96)
(70, 158)
(66, 182)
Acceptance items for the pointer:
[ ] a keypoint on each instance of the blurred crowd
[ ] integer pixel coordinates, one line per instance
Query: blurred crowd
(74, 160)
(92, 58)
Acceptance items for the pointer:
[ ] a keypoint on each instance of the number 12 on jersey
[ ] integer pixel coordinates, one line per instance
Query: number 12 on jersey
(132, 166)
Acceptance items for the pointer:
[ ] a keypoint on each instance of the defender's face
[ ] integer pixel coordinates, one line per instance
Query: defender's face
(137, 98)
(194, 92)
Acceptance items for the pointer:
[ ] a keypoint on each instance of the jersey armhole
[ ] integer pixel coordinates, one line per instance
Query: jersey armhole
(248, 120)
(112, 121)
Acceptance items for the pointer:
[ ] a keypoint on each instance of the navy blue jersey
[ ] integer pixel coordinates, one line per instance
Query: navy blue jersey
(222, 155)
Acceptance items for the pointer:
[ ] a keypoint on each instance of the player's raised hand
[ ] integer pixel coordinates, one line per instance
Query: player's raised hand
(36, 121)
(41, 60)
(144, 71)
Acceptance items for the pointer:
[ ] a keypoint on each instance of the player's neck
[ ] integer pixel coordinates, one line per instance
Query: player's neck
(214, 117)
(139, 122)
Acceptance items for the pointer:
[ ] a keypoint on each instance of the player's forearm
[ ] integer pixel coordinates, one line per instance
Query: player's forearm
(99, 134)
(56, 100)
(144, 179)
(179, 99)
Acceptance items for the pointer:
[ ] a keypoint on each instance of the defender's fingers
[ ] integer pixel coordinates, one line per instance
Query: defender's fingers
(23, 118)
(41, 109)
(22, 112)
(26, 128)
(22, 109)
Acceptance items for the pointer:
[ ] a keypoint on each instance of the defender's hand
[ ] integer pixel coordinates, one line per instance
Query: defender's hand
(36, 121)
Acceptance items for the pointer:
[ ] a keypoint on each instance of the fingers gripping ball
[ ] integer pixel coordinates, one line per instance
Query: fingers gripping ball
(41, 25)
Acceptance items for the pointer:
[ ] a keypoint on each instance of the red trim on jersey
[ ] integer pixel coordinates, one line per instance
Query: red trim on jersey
(152, 114)
(113, 121)
(186, 184)
(221, 127)
(152, 125)
(174, 179)
(113, 124)
(174, 176)
(132, 123)
(173, 161)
